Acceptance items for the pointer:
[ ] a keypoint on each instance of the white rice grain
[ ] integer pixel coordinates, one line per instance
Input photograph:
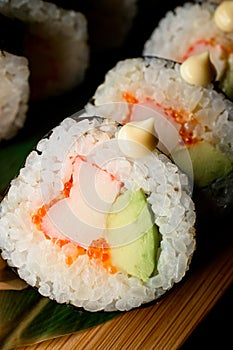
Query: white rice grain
(86, 283)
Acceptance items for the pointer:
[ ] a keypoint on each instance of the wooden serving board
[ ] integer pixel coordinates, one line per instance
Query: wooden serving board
(164, 325)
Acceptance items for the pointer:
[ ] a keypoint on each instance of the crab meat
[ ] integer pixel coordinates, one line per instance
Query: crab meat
(81, 216)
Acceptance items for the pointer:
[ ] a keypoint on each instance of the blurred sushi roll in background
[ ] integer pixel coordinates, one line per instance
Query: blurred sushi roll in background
(109, 22)
(188, 117)
(97, 220)
(14, 93)
(54, 41)
(194, 28)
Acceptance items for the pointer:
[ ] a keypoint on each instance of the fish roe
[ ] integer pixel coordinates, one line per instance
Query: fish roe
(129, 98)
(60, 242)
(72, 251)
(100, 249)
(201, 42)
(205, 44)
(38, 217)
(188, 124)
(67, 187)
(187, 121)
(41, 212)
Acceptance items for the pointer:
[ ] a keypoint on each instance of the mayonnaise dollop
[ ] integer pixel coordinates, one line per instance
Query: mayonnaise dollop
(223, 16)
(198, 69)
(137, 138)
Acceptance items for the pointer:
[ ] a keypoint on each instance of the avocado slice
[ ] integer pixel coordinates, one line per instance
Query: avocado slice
(132, 235)
(208, 163)
(226, 81)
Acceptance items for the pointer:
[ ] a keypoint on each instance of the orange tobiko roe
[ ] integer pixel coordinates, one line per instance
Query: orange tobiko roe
(187, 121)
(130, 98)
(207, 43)
(67, 187)
(37, 218)
(199, 43)
(98, 249)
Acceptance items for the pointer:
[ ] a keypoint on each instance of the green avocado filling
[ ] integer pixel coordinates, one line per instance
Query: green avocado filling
(208, 163)
(133, 235)
(226, 82)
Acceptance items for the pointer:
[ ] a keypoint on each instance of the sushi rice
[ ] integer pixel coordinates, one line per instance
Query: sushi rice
(137, 88)
(14, 93)
(46, 257)
(191, 29)
(54, 42)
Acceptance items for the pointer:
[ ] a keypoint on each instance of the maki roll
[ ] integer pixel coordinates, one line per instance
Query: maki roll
(54, 41)
(99, 220)
(188, 117)
(14, 93)
(194, 28)
(109, 22)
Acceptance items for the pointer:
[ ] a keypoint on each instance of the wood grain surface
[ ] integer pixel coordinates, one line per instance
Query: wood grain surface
(164, 325)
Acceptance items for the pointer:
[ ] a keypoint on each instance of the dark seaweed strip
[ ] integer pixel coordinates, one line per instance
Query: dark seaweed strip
(221, 192)
(166, 62)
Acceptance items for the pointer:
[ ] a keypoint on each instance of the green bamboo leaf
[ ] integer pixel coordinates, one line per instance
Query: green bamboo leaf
(8, 279)
(27, 318)
(12, 158)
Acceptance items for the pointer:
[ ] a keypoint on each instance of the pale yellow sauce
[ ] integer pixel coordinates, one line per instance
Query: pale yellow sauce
(223, 16)
(198, 69)
(138, 138)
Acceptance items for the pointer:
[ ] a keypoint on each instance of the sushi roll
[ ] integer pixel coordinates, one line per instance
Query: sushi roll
(109, 22)
(14, 93)
(188, 117)
(194, 28)
(54, 41)
(99, 220)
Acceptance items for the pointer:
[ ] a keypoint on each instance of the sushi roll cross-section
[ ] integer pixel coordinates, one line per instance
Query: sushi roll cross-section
(194, 122)
(193, 28)
(91, 223)
(54, 41)
(14, 93)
